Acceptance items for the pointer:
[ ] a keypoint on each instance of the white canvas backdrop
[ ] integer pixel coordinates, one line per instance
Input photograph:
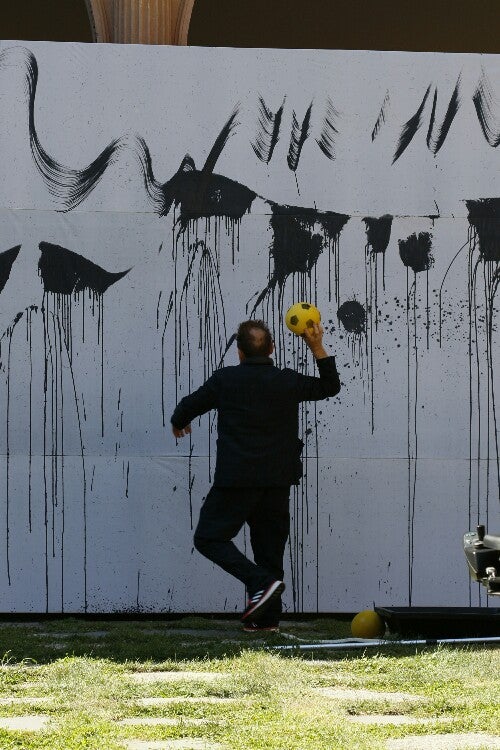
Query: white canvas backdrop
(97, 501)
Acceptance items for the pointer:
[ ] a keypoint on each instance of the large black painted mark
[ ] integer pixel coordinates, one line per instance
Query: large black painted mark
(7, 259)
(268, 131)
(326, 140)
(298, 136)
(410, 128)
(382, 116)
(70, 186)
(484, 251)
(487, 107)
(64, 272)
(435, 141)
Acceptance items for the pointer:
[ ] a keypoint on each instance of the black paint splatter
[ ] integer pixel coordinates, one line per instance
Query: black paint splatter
(415, 252)
(352, 315)
(299, 135)
(484, 216)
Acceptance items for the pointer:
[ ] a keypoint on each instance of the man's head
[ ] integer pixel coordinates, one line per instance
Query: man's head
(254, 339)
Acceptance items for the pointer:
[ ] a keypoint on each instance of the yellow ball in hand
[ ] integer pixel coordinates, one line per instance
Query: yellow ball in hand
(367, 624)
(300, 316)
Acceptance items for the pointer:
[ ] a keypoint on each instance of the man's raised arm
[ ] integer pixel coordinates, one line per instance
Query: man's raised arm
(328, 384)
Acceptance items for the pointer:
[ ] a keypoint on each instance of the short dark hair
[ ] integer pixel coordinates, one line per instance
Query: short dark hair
(250, 342)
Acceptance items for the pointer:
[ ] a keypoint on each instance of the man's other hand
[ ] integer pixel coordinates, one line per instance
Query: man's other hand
(313, 337)
(181, 433)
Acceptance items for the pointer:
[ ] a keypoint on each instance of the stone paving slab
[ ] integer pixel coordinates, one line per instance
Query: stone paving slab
(73, 634)
(148, 677)
(14, 699)
(182, 744)
(168, 721)
(465, 741)
(24, 723)
(366, 695)
(183, 699)
(379, 719)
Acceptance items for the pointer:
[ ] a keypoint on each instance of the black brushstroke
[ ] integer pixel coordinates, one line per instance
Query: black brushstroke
(415, 252)
(326, 141)
(7, 259)
(486, 107)
(352, 315)
(299, 135)
(434, 143)
(268, 134)
(410, 128)
(484, 216)
(65, 272)
(381, 116)
(69, 185)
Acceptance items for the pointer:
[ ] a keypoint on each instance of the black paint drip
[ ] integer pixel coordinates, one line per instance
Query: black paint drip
(484, 216)
(378, 232)
(7, 259)
(484, 244)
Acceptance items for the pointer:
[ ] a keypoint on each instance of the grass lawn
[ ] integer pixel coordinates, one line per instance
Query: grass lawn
(84, 676)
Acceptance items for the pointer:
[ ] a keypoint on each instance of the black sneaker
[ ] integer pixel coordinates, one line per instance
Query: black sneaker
(258, 627)
(260, 601)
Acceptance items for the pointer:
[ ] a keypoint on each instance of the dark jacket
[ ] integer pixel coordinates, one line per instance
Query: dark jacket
(258, 408)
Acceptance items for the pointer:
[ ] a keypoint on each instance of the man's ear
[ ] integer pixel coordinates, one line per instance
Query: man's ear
(240, 355)
(272, 348)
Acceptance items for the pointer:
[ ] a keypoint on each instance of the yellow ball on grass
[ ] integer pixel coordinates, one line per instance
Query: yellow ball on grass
(300, 316)
(367, 624)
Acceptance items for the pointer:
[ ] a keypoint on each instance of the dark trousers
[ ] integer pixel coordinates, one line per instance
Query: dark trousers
(266, 511)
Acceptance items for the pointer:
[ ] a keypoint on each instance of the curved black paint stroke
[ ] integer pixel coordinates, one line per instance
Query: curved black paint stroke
(381, 116)
(69, 185)
(268, 131)
(410, 128)
(434, 143)
(298, 136)
(65, 272)
(7, 259)
(326, 141)
(485, 103)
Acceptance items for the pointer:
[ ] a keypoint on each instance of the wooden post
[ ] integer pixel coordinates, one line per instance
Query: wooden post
(141, 21)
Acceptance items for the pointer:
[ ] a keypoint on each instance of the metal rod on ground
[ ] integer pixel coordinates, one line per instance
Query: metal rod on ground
(352, 644)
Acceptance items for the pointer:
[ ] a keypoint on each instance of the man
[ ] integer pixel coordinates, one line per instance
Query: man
(258, 458)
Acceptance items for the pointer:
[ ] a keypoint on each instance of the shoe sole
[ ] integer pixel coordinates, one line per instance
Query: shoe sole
(272, 592)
